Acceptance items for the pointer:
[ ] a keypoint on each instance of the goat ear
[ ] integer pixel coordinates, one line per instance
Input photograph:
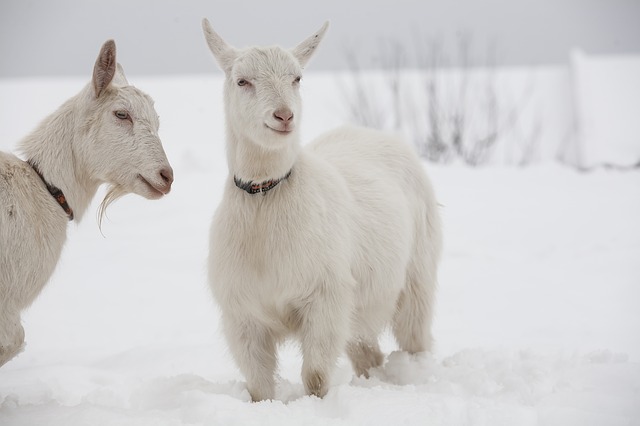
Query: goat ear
(304, 51)
(105, 67)
(120, 79)
(224, 54)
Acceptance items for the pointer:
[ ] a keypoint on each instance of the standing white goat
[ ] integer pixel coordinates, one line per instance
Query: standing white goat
(108, 133)
(329, 243)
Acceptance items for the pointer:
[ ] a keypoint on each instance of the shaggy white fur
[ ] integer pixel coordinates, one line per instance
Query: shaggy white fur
(108, 133)
(347, 242)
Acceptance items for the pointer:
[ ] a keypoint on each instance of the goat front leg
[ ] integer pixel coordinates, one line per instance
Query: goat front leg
(253, 347)
(11, 335)
(323, 334)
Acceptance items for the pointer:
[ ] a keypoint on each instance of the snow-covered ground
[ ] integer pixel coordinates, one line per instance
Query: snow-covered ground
(537, 323)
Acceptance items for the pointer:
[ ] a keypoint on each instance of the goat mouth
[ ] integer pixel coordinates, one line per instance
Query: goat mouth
(285, 131)
(155, 191)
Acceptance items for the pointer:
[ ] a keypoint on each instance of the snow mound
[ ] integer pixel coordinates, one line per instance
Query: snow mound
(473, 387)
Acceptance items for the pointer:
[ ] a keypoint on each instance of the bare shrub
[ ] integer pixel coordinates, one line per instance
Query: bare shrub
(451, 113)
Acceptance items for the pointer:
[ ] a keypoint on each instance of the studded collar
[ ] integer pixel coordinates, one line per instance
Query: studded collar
(259, 187)
(55, 192)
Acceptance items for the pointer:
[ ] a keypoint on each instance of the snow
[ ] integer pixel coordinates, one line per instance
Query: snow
(607, 91)
(537, 320)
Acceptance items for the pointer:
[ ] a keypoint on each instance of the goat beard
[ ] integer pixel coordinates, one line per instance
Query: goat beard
(114, 193)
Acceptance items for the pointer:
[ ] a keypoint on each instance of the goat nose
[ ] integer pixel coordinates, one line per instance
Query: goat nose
(167, 175)
(283, 114)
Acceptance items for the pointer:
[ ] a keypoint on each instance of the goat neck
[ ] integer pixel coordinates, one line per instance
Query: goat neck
(51, 148)
(250, 161)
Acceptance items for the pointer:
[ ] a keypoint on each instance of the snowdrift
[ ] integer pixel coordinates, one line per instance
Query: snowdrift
(536, 320)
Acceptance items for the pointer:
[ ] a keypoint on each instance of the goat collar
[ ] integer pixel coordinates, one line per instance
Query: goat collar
(260, 187)
(55, 192)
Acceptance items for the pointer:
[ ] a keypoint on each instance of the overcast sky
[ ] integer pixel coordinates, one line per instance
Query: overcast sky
(63, 37)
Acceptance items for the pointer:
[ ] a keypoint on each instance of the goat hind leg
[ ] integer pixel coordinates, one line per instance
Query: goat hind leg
(364, 354)
(413, 318)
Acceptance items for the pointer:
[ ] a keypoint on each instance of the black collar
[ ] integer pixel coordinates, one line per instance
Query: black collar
(55, 192)
(255, 188)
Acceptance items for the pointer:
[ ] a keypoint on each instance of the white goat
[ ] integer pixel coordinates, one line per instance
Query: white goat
(329, 243)
(108, 133)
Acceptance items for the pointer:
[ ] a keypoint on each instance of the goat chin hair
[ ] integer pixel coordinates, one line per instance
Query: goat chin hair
(114, 193)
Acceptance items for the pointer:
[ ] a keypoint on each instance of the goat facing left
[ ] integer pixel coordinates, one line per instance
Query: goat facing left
(107, 133)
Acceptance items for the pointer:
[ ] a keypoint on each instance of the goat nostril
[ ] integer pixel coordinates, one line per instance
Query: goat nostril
(284, 115)
(167, 175)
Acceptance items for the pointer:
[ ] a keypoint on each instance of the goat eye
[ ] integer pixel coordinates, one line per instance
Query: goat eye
(242, 82)
(297, 79)
(122, 115)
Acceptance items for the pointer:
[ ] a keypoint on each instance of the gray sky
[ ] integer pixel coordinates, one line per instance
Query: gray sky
(63, 37)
